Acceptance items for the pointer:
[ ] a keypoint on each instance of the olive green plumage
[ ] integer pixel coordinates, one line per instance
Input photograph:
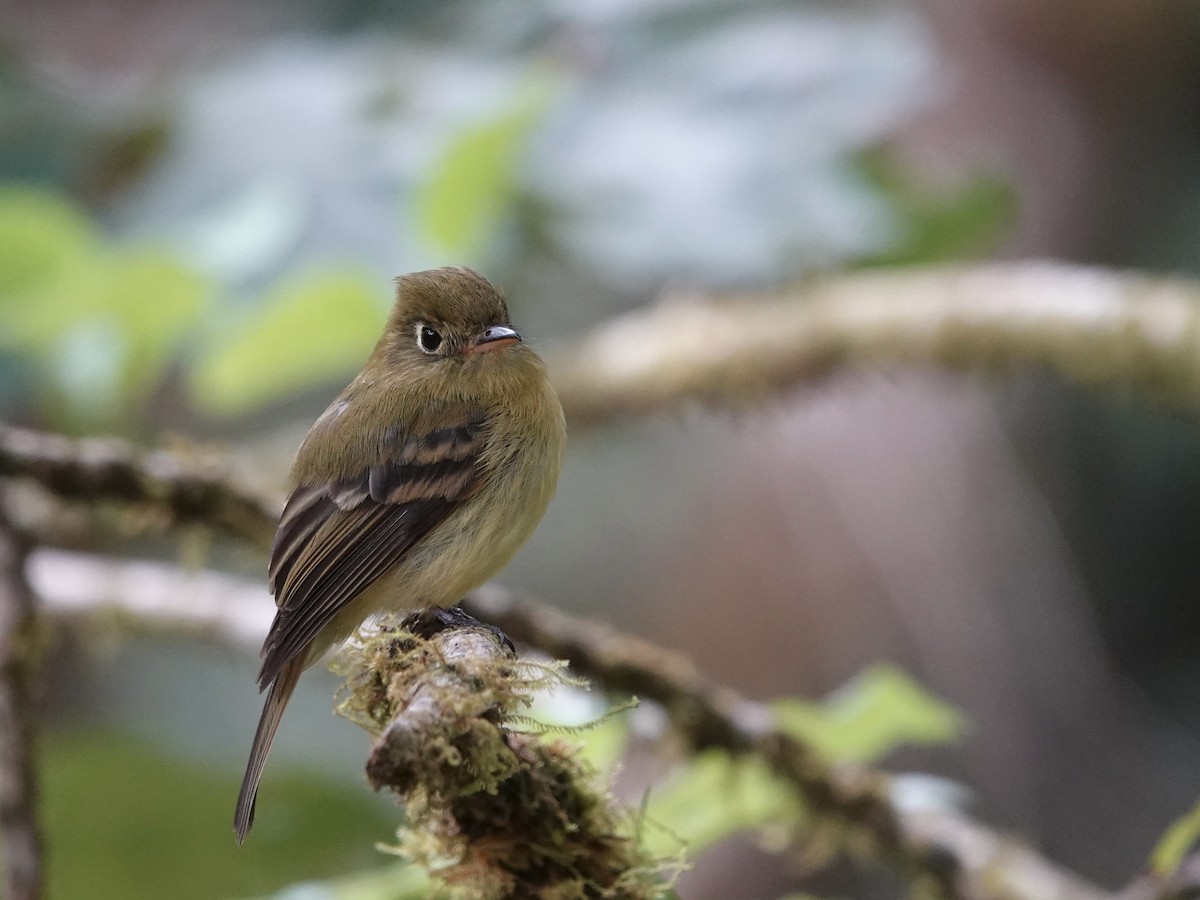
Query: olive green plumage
(416, 485)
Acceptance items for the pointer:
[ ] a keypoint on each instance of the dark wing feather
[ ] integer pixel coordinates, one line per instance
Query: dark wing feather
(306, 510)
(336, 539)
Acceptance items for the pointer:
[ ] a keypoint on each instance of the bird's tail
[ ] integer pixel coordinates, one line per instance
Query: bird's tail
(268, 724)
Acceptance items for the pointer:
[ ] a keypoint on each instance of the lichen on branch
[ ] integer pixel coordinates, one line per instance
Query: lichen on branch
(492, 811)
(1095, 327)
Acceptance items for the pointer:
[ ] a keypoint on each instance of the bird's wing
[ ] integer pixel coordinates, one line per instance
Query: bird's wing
(335, 539)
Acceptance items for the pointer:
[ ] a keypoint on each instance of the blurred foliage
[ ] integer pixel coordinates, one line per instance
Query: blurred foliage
(473, 184)
(97, 323)
(91, 780)
(603, 744)
(881, 709)
(397, 881)
(715, 795)
(967, 221)
(711, 798)
(1176, 843)
(41, 235)
(311, 330)
(123, 156)
(97, 327)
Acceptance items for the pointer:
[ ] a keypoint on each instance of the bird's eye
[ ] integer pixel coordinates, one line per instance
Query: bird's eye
(428, 338)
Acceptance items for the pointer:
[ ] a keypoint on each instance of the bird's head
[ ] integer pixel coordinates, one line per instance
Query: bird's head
(451, 325)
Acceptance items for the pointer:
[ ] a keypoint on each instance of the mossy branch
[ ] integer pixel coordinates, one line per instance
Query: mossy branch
(946, 849)
(185, 488)
(1095, 327)
(948, 854)
(490, 810)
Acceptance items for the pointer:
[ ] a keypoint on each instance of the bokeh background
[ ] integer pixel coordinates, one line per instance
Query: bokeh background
(201, 209)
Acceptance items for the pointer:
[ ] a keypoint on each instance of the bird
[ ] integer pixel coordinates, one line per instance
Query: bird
(418, 483)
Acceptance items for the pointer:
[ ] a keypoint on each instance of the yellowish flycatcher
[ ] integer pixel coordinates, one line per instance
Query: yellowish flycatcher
(416, 485)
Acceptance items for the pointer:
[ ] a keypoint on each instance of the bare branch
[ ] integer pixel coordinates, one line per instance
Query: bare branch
(105, 469)
(1093, 326)
(20, 836)
(150, 597)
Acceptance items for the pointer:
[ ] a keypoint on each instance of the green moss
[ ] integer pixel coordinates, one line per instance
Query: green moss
(492, 811)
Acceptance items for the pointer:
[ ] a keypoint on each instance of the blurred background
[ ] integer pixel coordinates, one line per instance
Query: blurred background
(201, 210)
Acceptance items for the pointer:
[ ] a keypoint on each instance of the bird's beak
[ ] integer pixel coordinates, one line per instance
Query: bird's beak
(493, 338)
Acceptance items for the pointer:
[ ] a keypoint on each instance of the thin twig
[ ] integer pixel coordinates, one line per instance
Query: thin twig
(20, 836)
(106, 469)
(1095, 327)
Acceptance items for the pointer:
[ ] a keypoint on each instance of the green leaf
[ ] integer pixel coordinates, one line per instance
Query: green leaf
(716, 796)
(112, 334)
(101, 324)
(566, 710)
(41, 236)
(963, 223)
(605, 744)
(881, 709)
(1176, 842)
(105, 328)
(713, 797)
(473, 183)
(309, 332)
(155, 301)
